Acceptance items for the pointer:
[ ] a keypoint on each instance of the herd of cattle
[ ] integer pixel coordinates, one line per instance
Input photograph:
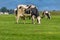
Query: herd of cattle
(31, 11)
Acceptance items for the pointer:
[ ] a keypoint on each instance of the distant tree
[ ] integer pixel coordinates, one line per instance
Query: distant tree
(3, 9)
(0, 10)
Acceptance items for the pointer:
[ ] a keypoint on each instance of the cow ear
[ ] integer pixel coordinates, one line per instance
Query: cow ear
(29, 6)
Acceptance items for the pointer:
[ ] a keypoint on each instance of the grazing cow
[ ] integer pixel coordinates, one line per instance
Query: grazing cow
(34, 14)
(46, 13)
(22, 10)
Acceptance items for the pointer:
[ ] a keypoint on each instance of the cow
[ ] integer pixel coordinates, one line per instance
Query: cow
(22, 10)
(46, 14)
(34, 14)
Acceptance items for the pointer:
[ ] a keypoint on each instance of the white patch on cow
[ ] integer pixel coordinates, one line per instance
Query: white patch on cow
(21, 14)
(24, 6)
(46, 11)
(39, 19)
(32, 6)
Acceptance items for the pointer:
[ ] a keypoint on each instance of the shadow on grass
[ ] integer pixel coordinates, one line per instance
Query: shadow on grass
(26, 23)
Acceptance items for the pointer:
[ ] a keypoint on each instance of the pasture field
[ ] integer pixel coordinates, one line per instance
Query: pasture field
(47, 30)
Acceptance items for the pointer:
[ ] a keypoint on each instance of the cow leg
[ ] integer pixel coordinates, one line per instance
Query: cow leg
(48, 16)
(17, 19)
(33, 19)
(38, 19)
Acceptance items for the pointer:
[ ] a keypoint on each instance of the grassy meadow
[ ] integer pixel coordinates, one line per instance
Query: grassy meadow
(47, 30)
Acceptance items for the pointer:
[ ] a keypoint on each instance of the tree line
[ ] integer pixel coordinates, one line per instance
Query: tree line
(4, 9)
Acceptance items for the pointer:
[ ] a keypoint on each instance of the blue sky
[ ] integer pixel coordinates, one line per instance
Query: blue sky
(41, 4)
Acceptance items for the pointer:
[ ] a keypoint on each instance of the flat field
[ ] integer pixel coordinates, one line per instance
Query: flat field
(47, 30)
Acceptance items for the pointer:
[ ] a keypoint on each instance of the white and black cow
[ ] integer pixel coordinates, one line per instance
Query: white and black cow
(27, 9)
(34, 13)
(46, 14)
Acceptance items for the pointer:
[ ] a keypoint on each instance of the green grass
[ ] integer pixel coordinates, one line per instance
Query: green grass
(47, 30)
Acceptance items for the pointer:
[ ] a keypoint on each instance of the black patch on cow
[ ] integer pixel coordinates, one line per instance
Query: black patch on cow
(27, 11)
(29, 7)
(16, 12)
(34, 12)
